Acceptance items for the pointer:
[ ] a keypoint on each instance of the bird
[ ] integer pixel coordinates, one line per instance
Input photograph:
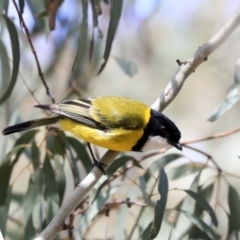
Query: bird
(116, 123)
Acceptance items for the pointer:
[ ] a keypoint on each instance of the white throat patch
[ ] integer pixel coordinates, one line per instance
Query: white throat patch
(155, 143)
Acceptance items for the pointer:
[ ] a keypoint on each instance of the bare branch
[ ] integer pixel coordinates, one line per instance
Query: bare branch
(190, 65)
(40, 73)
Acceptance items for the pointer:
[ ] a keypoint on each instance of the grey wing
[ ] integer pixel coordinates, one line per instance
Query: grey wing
(77, 110)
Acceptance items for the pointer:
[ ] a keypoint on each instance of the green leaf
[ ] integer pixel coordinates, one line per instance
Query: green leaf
(237, 76)
(97, 188)
(160, 205)
(196, 233)
(56, 142)
(231, 98)
(34, 191)
(21, 4)
(115, 14)
(8, 164)
(4, 213)
(143, 187)
(51, 189)
(128, 67)
(121, 222)
(164, 160)
(234, 210)
(60, 178)
(206, 193)
(83, 36)
(183, 170)
(35, 156)
(15, 57)
(119, 162)
(81, 153)
(25, 138)
(201, 225)
(95, 207)
(5, 174)
(146, 233)
(17, 198)
(203, 204)
(5, 73)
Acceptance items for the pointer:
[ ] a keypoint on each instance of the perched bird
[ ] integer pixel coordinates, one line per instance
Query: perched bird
(116, 123)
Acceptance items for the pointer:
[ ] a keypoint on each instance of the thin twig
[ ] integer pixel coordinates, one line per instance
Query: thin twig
(40, 73)
(209, 157)
(214, 136)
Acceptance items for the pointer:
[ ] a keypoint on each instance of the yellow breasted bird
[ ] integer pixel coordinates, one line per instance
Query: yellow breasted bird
(116, 123)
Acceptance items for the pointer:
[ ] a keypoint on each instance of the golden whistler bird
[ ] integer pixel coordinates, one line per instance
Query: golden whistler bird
(116, 123)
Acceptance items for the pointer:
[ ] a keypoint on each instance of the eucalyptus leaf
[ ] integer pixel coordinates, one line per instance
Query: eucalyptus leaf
(237, 75)
(96, 207)
(56, 142)
(164, 160)
(121, 222)
(15, 57)
(81, 152)
(119, 162)
(197, 233)
(231, 98)
(60, 178)
(234, 208)
(203, 204)
(183, 170)
(51, 189)
(82, 37)
(115, 14)
(160, 205)
(128, 67)
(4, 212)
(201, 225)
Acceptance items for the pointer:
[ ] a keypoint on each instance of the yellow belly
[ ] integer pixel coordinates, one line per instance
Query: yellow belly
(117, 140)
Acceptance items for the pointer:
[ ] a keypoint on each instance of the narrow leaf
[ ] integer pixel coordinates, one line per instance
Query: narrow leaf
(119, 162)
(56, 142)
(34, 190)
(183, 170)
(4, 213)
(166, 159)
(51, 189)
(203, 204)
(15, 57)
(81, 153)
(82, 37)
(201, 225)
(128, 67)
(121, 222)
(234, 208)
(5, 174)
(115, 14)
(60, 178)
(144, 192)
(21, 4)
(35, 156)
(237, 75)
(196, 233)
(160, 205)
(231, 98)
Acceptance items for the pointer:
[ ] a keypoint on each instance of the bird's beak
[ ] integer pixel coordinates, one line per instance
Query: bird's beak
(176, 145)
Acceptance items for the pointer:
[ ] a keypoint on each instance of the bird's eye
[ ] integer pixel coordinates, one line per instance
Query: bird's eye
(163, 129)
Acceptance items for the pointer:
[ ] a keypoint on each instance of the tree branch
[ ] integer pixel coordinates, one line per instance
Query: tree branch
(170, 92)
(190, 65)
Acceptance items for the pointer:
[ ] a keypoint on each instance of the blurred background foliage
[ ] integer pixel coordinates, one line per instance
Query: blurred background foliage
(39, 169)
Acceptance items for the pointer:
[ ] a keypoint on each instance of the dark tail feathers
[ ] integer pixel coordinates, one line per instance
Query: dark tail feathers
(30, 124)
